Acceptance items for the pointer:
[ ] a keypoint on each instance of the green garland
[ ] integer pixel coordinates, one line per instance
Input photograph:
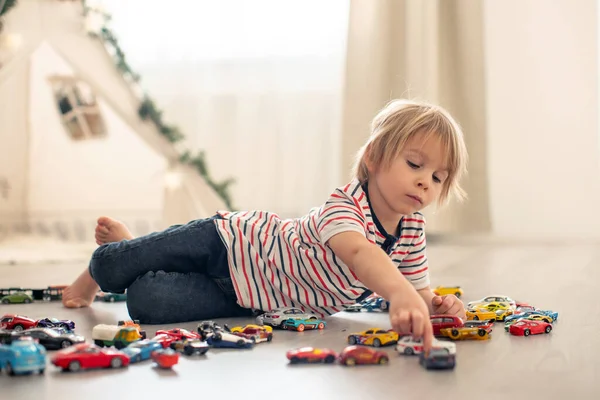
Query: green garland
(149, 111)
(5, 6)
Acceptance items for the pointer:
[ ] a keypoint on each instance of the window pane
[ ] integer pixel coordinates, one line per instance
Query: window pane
(94, 122)
(74, 128)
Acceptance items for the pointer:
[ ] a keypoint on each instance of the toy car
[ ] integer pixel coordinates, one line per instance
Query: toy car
(165, 358)
(377, 303)
(277, 316)
(50, 339)
(133, 324)
(359, 355)
(301, 324)
(445, 290)
(522, 315)
(439, 322)
(164, 340)
(141, 350)
(437, 359)
(179, 334)
(409, 345)
(532, 317)
(190, 347)
(490, 299)
(16, 322)
(112, 297)
(356, 307)
(55, 323)
(464, 333)
(88, 356)
(252, 326)
(311, 355)
(487, 325)
(206, 328)
(228, 340)
(22, 356)
(16, 298)
(526, 328)
(373, 337)
(482, 314)
(254, 332)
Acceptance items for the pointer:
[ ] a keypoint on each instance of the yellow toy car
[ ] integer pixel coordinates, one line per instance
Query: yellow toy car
(480, 314)
(374, 337)
(242, 328)
(501, 310)
(466, 333)
(544, 318)
(444, 290)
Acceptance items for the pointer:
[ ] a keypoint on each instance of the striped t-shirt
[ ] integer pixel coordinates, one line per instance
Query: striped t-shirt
(286, 262)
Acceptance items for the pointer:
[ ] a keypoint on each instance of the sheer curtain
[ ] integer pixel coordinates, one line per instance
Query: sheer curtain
(255, 84)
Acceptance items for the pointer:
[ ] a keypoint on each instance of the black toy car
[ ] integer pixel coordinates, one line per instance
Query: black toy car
(438, 359)
(49, 338)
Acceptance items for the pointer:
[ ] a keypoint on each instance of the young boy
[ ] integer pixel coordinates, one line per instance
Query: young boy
(368, 236)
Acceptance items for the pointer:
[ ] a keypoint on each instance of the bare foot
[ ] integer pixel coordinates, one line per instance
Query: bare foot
(80, 293)
(110, 230)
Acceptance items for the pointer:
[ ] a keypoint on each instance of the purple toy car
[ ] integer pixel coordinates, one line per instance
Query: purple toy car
(55, 323)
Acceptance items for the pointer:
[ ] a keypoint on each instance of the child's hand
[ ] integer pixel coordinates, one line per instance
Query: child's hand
(409, 314)
(449, 305)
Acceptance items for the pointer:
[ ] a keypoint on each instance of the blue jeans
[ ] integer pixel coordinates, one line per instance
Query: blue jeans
(180, 274)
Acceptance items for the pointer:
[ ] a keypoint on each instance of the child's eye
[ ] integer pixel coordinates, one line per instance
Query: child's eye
(412, 165)
(436, 179)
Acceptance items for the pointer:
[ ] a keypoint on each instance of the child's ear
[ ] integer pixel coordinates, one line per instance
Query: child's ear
(369, 163)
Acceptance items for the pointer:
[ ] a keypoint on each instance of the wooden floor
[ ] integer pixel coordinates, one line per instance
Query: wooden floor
(562, 365)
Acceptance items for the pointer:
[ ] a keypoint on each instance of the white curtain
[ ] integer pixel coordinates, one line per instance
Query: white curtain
(255, 84)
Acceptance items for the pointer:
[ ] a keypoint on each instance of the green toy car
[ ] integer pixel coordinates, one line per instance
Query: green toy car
(17, 298)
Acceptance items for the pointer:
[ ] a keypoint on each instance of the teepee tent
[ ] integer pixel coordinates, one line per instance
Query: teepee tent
(72, 144)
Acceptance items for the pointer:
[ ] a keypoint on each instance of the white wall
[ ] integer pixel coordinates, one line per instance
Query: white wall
(117, 175)
(542, 109)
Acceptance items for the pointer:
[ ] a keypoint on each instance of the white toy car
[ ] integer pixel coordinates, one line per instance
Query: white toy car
(277, 316)
(490, 299)
(409, 345)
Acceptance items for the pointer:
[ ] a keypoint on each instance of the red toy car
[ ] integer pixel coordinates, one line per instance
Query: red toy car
(87, 356)
(360, 355)
(445, 321)
(17, 322)
(526, 328)
(165, 358)
(179, 334)
(311, 355)
(165, 340)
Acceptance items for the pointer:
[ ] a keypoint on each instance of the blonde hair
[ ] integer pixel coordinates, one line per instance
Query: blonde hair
(398, 122)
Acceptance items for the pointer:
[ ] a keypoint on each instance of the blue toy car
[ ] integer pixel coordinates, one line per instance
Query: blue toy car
(66, 324)
(141, 350)
(301, 324)
(378, 303)
(23, 356)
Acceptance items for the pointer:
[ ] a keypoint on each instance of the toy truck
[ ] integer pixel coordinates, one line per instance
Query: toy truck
(114, 335)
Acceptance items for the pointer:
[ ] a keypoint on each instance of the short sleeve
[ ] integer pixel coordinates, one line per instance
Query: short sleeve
(341, 213)
(414, 266)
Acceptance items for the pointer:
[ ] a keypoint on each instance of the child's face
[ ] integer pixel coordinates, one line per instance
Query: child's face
(415, 178)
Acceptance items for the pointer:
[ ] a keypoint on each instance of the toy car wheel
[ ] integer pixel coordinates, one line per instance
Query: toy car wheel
(27, 301)
(384, 305)
(74, 366)
(382, 360)
(350, 361)
(18, 328)
(351, 340)
(329, 359)
(111, 299)
(526, 333)
(269, 337)
(321, 326)
(188, 351)
(64, 344)
(138, 358)
(300, 328)
(548, 329)
(481, 332)
(116, 362)
(457, 294)
(5, 301)
(241, 343)
(42, 371)
(294, 360)
(9, 369)
(409, 351)
(377, 343)
(454, 333)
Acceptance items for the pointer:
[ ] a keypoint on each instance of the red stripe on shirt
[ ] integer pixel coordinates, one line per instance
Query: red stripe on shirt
(244, 266)
(262, 281)
(415, 272)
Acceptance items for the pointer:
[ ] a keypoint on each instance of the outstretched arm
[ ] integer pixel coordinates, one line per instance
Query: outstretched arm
(409, 312)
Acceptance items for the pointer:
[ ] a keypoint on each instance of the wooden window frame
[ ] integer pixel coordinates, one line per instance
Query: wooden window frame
(68, 86)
